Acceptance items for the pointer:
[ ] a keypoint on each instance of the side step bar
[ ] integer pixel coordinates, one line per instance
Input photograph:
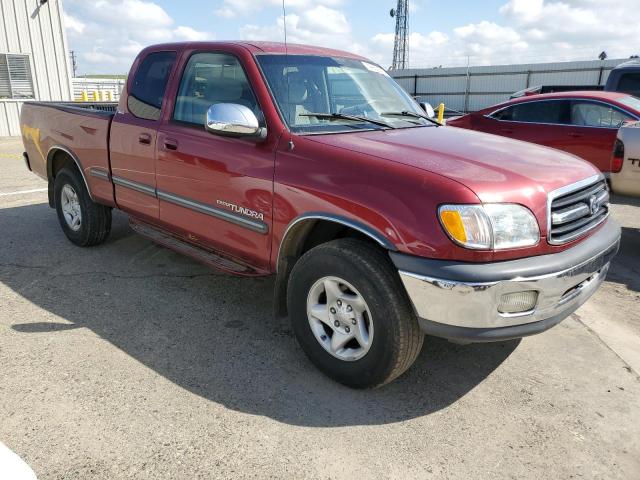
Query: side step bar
(208, 257)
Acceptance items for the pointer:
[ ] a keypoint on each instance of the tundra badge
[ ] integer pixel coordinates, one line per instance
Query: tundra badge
(241, 210)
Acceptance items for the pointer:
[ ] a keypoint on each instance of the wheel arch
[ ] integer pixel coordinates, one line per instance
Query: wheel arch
(58, 156)
(308, 231)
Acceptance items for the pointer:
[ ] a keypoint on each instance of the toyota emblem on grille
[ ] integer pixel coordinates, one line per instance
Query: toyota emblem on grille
(594, 204)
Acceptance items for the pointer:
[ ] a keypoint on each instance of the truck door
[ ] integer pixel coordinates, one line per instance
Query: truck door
(215, 191)
(133, 135)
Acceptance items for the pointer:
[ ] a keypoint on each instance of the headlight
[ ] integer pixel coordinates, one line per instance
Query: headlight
(490, 226)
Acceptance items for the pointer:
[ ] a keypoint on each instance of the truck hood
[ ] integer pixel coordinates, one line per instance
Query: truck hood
(497, 169)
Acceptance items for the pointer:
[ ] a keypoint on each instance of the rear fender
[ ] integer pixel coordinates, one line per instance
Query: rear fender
(51, 155)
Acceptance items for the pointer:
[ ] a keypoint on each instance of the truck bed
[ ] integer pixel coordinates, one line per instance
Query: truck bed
(79, 130)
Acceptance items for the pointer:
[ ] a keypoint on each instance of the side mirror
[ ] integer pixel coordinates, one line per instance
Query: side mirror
(428, 109)
(233, 120)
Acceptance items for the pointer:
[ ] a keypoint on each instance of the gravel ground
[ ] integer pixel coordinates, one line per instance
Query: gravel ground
(129, 361)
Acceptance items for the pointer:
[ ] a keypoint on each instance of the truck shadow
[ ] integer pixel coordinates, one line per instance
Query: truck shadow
(625, 267)
(211, 334)
(625, 200)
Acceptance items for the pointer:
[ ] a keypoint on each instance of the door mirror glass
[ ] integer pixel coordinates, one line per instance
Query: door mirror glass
(428, 109)
(233, 120)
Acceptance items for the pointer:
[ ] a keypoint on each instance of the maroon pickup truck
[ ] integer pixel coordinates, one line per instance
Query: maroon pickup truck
(313, 165)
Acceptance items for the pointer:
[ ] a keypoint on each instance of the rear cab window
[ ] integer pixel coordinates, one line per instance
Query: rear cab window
(149, 85)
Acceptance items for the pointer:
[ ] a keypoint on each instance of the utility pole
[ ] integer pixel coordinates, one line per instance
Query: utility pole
(74, 65)
(401, 41)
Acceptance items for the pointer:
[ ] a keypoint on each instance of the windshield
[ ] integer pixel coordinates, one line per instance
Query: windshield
(346, 94)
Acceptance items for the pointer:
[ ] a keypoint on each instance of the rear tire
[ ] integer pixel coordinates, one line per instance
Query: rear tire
(377, 336)
(83, 221)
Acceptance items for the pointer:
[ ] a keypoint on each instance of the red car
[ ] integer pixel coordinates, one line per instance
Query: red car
(582, 123)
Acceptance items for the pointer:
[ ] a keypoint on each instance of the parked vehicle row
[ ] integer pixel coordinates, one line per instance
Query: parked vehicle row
(314, 166)
(582, 123)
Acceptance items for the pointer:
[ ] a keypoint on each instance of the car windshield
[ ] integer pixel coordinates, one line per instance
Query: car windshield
(331, 94)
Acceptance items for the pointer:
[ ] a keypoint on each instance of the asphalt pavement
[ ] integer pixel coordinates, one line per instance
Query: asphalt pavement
(127, 360)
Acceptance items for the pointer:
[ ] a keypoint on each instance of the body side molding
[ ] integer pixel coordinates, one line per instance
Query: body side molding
(99, 173)
(241, 220)
(138, 187)
(231, 217)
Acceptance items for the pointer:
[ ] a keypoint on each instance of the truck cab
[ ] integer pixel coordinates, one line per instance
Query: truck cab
(625, 78)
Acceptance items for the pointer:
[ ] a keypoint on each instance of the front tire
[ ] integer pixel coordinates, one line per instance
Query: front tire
(351, 315)
(83, 221)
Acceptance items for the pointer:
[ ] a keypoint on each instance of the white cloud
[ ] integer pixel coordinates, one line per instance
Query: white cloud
(526, 10)
(108, 34)
(323, 20)
(486, 33)
(190, 34)
(238, 8)
(74, 26)
(530, 31)
(317, 26)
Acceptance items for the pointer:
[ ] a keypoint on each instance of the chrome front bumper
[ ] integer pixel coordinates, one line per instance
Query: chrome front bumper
(466, 309)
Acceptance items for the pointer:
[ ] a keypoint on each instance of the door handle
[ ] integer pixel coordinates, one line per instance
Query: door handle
(144, 139)
(171, 144)
(507, 131)
(576, 135)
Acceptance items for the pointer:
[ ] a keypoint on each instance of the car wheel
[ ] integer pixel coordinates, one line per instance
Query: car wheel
(83, 221)
(351, 314)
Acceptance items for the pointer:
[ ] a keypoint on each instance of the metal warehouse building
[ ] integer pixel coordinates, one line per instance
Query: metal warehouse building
(471, 89)
(34, 62)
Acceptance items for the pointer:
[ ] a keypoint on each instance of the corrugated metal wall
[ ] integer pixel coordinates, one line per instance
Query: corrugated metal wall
(480, 87)
(28, 27)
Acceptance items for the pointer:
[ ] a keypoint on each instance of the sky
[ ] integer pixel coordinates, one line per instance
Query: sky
(107, 34)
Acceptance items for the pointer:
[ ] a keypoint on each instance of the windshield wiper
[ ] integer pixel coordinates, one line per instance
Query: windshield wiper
(406, 113)
(342, 116)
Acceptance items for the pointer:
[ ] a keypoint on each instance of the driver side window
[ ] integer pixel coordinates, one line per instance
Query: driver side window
(208, 79)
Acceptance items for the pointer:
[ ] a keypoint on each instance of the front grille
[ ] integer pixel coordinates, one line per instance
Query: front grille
(576, 209)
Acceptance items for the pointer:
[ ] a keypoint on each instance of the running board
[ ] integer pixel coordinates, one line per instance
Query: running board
(197, 253)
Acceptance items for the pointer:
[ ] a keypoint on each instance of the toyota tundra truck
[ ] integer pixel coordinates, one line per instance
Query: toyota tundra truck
(314, 166)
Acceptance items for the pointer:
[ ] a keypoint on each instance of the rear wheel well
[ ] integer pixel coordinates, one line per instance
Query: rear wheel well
(58, 159)
(302, 237)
